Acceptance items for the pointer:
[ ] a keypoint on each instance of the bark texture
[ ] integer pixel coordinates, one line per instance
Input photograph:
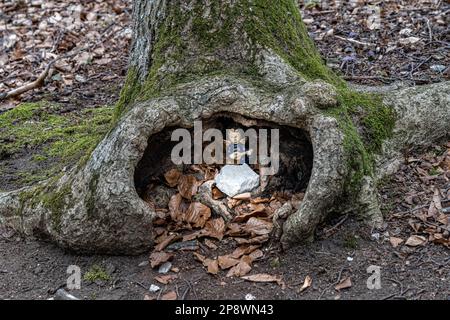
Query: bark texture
(252, 60)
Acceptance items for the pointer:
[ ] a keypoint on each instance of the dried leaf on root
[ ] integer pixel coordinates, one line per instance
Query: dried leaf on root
(159, 257)
(172, 177)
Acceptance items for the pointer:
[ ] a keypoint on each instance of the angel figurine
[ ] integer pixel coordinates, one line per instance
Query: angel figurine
(235, 146)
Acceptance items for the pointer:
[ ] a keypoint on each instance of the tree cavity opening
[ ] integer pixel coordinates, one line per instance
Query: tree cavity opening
(156, 173)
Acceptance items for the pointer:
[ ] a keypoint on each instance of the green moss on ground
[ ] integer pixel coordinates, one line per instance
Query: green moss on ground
(54, 139)
(96, 273)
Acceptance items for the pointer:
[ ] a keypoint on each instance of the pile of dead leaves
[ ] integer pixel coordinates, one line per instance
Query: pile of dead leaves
(187, 224)
(375, 42)
(88, 37)
(426, 204)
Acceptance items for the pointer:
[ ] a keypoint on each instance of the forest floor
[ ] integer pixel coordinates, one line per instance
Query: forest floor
(410, 44)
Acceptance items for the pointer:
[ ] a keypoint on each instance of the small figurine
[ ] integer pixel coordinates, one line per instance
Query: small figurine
(235, 147)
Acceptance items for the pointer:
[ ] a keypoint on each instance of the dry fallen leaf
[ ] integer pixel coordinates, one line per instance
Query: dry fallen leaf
(172, 295)
(306, 284)
(199, 257)
(210, 244)
(168, 240)
(192, 236)
(172, 176)
(226, 262)
(242, 250)
(243, 196)
(257, 226)
(264, 277)
(259, 200)
(174, 207)
(395, 242)
(415, 241)
(256, 240)
(197, 214)
(443, 219)
(239, 270)
(246, 216)
(234, 229)
(187, 186)
(344, 284)
(166, 279)
(257, 207)
(256, 255)
(215, 228)
(158, 258)
(212, 265)
(217, 194)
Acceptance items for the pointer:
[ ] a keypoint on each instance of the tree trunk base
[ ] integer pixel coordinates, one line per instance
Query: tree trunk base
(95, 207)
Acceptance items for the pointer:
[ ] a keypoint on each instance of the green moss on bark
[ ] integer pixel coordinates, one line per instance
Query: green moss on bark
(47, 195)
(366, 123)
(198, 42)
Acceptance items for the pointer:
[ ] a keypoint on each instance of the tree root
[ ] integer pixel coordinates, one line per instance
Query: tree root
(95, 206)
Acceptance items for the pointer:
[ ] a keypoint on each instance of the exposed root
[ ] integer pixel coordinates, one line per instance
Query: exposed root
(95, 206)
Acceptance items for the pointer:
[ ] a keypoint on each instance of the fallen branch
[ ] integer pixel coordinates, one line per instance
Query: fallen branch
(205, 197)
(40, 80)
(356, 41)
(29, 86)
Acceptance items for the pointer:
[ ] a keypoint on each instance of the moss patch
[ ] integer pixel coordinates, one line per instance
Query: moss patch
(197, 42)
(51, 138)
(194, 43)
(96, 273)
(366, 123)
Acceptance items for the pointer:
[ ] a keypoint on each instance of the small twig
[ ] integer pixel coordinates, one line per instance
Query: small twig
(183, 297)
(395, 295)
(192, 286)
(333, 284)
(419, 65)
(160, 292)
(389, 296)
(141, 285)
(329, 232)
(379, 78)
(40, 80)
(429, 29)
(414, 209)
(29, 86)
(356, 41)
(318, 13)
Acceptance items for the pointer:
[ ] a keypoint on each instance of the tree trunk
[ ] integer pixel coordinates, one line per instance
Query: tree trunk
(249, 60)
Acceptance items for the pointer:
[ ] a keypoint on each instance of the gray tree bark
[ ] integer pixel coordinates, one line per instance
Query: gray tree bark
(191, 60)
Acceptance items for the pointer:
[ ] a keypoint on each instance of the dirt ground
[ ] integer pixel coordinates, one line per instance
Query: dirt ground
(345, 248)
(34, 270)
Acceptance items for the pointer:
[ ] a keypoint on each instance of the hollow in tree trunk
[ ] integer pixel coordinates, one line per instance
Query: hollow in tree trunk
(253, 62)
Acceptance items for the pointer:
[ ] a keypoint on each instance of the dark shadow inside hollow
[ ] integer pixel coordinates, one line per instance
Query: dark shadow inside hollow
(295, 158)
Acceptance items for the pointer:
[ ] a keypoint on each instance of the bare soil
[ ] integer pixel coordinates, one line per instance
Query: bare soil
(35, 270)
(31, 269)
